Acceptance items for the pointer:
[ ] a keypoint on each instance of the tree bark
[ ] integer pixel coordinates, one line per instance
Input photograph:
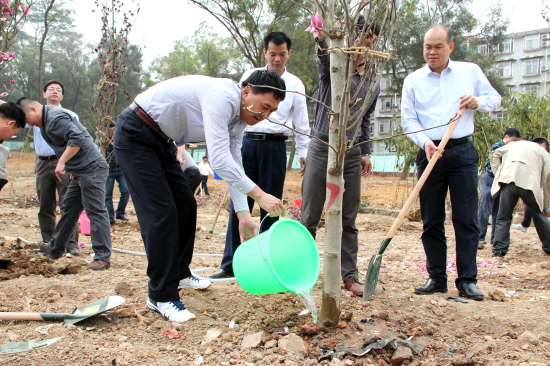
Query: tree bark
(330, 308)
(292, 153)
(41, 54)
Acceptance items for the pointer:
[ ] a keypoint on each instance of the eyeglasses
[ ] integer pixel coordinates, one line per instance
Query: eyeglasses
(59, 90)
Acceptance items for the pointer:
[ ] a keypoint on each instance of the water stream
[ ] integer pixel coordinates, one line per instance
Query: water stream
(309, 302)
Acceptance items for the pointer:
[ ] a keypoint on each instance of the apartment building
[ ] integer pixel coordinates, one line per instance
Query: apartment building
(522, 61)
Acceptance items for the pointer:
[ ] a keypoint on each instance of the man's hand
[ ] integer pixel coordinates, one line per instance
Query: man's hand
(429, 149)
(302, 164)
(248, 228)
(271, 204)
(59, 170)
(468, 101)
(366, 166)
(547, 213)
(181, 159)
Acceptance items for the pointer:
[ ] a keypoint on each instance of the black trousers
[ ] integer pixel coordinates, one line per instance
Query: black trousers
(265, 163)
(164, 203)
(3, 183)
(456, 171)
(204, 180)
(509, 196)
(193, 176)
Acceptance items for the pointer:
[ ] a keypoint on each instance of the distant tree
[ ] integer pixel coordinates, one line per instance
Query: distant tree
(248, 21)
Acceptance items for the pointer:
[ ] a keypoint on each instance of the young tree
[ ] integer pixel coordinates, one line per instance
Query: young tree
(113, 55)
(339, 19)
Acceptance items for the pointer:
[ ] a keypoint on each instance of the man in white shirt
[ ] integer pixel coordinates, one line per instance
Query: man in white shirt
(431, 97)
(264, 144)
(205, 170)
(46, 180)
(188, 109)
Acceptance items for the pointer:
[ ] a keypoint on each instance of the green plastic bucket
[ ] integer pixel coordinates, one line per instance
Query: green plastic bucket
(284, 258)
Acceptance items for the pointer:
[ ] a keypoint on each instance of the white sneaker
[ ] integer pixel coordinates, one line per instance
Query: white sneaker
(519, 227)
(195, 283)
(171, 310)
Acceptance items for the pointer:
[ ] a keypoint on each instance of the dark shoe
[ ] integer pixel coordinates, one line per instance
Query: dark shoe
(99, 265)
(43, 248)
(431, 287)
(122, 217)
(497, 255)
(74, 252)
(221, 274)
(470, 291)
(353, 285)
(112, 223)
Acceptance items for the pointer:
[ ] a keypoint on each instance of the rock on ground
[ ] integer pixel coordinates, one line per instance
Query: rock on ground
(401, 354)
(293, 344)
(252, 340)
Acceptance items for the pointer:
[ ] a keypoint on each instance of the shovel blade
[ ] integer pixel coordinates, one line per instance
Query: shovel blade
(371, 279)
(94, 308)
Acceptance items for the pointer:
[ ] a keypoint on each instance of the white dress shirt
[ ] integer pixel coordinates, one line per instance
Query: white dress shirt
(195, 108)
(430, 99)
(4, 156)
(292, 110)
(205, 169)
(41, 147)
(189, 161)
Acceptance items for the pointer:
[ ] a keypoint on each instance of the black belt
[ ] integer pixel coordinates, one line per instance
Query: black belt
(455, 142)
(147, 119)
(51, 157)
(260, 136)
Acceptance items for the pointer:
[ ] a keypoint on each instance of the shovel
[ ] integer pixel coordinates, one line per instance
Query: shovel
(77, 315)
(373, 271)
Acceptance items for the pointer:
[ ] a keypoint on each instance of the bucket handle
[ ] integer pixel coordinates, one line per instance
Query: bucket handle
(259, 232)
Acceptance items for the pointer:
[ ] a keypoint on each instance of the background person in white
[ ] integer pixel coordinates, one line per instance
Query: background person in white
(188, 109)
(431, 97)
(205, 170)
(264, 144)
(46, 181)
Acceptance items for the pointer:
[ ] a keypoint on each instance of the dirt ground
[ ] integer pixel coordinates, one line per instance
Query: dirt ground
(511, 329)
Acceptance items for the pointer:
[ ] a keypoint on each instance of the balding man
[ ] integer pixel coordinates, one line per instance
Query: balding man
(431, 97)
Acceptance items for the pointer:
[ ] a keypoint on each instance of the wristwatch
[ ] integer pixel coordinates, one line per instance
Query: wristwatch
(546, 209)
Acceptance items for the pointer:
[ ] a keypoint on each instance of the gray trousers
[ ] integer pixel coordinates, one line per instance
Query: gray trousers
(86, 191)
(509, 195)
(314, 190)
(46, 185)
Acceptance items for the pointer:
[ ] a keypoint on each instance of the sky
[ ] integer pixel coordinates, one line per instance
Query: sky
(161, 22)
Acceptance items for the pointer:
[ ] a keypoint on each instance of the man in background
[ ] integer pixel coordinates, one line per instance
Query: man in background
(115, 173)
(264, 144)
(189, 167)
(489, 204)
(46, 181)
(205, 170)
(521, 171)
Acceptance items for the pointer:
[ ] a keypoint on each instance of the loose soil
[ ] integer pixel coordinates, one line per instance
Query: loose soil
(483, 333)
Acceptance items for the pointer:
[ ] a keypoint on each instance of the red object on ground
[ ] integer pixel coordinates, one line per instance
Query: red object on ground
(298, 202)
(172, 333)
(84, 224)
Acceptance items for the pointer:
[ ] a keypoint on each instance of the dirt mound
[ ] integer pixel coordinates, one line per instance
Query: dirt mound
(24, 262)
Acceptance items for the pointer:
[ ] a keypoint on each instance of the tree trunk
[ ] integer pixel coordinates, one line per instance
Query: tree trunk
(405, 172)
(330, 308)
(292, 153)
(41, 53)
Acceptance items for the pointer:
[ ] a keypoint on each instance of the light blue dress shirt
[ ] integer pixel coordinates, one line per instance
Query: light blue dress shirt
(430, 99)
(41, 147)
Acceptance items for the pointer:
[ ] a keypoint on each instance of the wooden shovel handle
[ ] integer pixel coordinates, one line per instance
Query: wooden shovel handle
(219, 209)
(424, 176)
(20, 316)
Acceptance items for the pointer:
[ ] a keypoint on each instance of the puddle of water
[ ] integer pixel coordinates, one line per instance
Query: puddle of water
(309, 302)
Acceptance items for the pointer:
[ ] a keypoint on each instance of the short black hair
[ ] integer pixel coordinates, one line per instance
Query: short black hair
(512, 132)
(269, 78)
(204, 157)
(361, 23)
(25, 102)
(112, 124)
(10, 110)
(55, 82)
(540, 141)
(278, 38)
(449, 31)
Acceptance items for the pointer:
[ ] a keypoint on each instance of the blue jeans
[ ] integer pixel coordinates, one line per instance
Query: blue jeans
(116, 174)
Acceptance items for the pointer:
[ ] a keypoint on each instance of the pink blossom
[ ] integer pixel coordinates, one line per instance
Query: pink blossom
(25, 10)
(12, 81)
(316, 23)
(7, 11)
(11, 56)
(2, 95)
